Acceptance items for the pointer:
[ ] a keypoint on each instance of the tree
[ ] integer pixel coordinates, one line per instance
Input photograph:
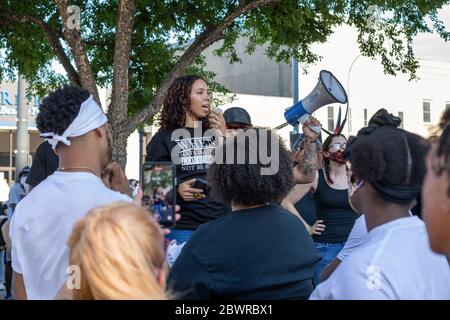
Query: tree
(139, 47)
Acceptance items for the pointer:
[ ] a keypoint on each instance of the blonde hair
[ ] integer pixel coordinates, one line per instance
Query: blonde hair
(119, 249)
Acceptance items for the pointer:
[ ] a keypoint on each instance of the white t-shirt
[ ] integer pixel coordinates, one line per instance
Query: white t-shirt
(43, 222)
(395, 262)
(356, 237)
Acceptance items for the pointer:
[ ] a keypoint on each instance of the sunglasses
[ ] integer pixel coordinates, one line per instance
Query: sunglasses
(337, 146)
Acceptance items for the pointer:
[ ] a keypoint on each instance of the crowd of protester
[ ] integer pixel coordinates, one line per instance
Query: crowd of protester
(335, 220)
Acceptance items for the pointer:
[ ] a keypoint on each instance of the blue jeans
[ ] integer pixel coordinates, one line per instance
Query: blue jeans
(328, 251)
(180, 235)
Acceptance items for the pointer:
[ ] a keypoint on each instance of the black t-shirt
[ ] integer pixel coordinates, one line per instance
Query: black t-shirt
(306, 206)
(45, 163)
(335, 211)
(257, 253)
(195, 154)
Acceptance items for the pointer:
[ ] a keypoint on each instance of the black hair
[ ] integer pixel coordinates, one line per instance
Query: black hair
(326, 161)
(392, 160)
(442, 163)
(60, 108)
(244, 184)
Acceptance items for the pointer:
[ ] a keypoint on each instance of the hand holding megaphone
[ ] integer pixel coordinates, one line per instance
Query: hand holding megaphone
(328, 90)
(311, 129)
(217, 121)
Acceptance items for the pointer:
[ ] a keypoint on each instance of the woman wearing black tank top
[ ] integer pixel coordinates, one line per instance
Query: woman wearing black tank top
(333, 207)
(334, 213)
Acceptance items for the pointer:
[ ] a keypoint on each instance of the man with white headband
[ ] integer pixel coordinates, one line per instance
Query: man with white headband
(76, 127)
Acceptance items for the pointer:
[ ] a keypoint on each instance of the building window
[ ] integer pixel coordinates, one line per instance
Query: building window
(400, 115)
(365, 117)
(331, 119)
(426, 111)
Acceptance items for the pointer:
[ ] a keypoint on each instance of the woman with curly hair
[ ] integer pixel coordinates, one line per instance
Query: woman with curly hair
(260, 250)
(181, 139)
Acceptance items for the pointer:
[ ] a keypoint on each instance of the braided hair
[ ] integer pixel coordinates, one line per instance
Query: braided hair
(392, 160)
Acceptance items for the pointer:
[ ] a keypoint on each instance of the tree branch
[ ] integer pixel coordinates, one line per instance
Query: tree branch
(53, 39)
(76, 45)
(192, 10)
(124, 31)
(204, 40)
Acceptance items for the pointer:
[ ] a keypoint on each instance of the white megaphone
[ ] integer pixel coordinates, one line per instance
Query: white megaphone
(328, 90)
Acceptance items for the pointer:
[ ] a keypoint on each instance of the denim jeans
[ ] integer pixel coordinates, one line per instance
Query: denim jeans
(328, 251)
(180, 235)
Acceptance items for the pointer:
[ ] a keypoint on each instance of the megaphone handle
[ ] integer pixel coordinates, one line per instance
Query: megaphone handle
(316, 129)
(305, 118)
(281, 126)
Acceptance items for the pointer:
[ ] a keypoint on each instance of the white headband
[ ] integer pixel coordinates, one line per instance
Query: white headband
(90, 117)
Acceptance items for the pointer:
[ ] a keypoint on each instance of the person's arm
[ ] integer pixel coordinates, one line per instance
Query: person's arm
(300, 190)
(5, 232)
(115, 179)
(329, 269)
(317, 228)
(306, 161)
(296, 193)
(18, 290)
(188, 280)
(187, 192)
(356, 237)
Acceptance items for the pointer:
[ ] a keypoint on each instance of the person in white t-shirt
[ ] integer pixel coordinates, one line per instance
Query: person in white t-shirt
(76, 127)
(386, 171)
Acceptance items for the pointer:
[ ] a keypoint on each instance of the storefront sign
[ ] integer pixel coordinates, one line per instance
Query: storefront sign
(9, 102)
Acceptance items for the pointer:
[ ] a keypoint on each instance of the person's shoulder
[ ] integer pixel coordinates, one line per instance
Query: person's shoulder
(44, 150)
(110, 194)
(284, 215)
(208, 230)
(44, 147)
(163, 134)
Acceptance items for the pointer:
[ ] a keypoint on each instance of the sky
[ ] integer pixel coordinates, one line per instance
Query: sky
(431, 46)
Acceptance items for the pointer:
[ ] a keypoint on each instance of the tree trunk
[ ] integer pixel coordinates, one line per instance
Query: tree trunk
(120, 142)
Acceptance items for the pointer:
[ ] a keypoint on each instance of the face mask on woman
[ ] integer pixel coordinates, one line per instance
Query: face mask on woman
(337, 156)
